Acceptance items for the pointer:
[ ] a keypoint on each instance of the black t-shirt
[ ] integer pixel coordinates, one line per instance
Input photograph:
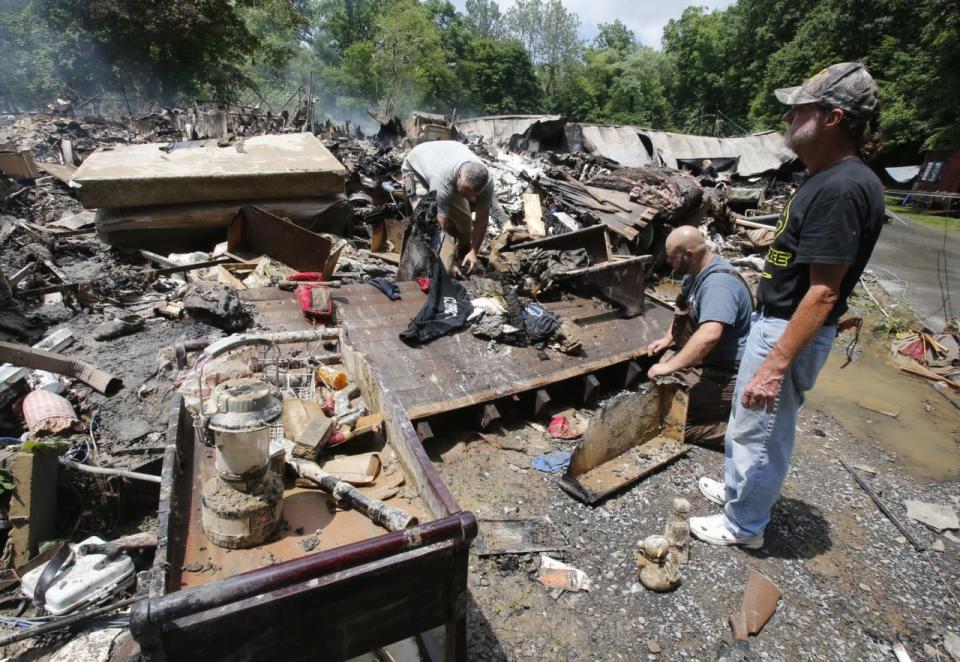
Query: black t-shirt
(835, 217)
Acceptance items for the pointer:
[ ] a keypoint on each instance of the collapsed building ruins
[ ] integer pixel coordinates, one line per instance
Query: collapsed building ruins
(268, 299)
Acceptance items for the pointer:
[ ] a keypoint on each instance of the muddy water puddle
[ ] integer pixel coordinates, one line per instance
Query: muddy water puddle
(925, 433)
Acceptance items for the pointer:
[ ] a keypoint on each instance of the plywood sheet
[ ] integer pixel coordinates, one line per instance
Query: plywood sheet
(460, 370)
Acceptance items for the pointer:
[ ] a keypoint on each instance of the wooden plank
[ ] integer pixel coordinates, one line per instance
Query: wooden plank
(533, 215)
(63, 173)
(459, 370)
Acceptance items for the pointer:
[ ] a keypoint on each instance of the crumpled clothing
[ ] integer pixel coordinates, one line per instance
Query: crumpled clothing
(424, 284)
(490, 305)
(418, 255)
(491, 326)
(539, 323)
(552, 462)
(544, 265)
(446, 309)
(387, 287)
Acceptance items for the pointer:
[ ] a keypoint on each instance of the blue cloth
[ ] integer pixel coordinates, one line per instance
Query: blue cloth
(721, 297)
(385, 286)
(758, 444)
(553, 462)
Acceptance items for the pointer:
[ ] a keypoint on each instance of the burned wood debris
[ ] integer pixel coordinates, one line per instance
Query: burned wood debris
(134, 248)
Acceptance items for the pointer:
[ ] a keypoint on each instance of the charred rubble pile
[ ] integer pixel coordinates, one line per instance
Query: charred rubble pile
(112, 274)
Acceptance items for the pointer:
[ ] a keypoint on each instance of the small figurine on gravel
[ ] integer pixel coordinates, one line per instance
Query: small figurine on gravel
(659, 570)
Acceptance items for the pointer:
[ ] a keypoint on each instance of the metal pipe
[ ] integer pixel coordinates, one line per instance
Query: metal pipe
(883, 508)
(28, 357)
(107, 471)
(156, 612)
(65, 622)
(280, 338)
(345, 494)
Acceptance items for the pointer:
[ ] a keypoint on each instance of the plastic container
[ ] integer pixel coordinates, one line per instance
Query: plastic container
(332, 377)
(91, 579)
(246, 408)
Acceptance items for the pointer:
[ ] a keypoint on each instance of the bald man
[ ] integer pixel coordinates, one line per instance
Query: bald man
(709, 332)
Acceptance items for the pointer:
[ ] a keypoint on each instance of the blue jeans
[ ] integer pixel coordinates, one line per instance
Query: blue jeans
(758, 444)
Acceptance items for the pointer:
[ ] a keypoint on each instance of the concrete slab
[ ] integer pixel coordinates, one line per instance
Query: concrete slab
(294, 165)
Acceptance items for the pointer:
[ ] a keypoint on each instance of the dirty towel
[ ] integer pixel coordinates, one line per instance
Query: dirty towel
(446, 309)
(552, 462)
(385, 286)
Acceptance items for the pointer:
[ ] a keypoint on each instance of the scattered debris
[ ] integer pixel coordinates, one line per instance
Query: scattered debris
(938, 517)
(552, 462)
(119, 326)
(527, 535)
(760, 599)
(951, 643)
(883, 507)
(559, 575)
(632, 435)
(879, 406)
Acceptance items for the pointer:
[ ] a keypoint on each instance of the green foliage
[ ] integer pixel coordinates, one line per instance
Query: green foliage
(716, 72)
(7, 483)
(627, 89)
(485, 18)
(615, 36)
(733, 60)
(54, 445)
(890, 327)
(193, 47)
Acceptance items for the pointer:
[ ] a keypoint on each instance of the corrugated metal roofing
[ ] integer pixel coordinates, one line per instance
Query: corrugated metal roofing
(620, 143)
(758, 153)
(499, 129)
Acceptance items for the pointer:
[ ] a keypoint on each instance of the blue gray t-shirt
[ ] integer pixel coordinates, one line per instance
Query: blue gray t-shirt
(720, 297)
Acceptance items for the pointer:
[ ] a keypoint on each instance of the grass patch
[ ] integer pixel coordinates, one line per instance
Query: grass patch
(924, 219)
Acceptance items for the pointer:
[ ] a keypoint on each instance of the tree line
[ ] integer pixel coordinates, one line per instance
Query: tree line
(714, 74)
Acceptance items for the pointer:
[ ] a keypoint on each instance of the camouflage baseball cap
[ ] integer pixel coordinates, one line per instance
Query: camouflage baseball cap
(846, 85)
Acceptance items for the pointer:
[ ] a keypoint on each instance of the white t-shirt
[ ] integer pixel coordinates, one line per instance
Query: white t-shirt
(436, 165)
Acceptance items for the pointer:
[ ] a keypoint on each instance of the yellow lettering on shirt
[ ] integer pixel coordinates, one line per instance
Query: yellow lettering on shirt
(779, 258)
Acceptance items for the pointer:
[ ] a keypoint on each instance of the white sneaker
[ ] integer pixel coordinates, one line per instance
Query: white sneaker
(712, 530)
(712, 490)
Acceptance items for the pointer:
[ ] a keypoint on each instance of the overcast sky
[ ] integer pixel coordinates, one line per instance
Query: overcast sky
(645, 17)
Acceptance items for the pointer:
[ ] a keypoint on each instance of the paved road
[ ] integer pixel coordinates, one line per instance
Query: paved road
(912, 260)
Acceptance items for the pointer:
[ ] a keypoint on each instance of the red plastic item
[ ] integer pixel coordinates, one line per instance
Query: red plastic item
(315, 301)
(336, 438)
(915, 350)
(559, 428)
(328, 406)
(307, 277)
(424, 283)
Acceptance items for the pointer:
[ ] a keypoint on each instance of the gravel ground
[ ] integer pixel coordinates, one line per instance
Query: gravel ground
(852, 585)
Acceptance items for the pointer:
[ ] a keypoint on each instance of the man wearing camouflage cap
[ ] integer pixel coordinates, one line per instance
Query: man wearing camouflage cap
(822, 243)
